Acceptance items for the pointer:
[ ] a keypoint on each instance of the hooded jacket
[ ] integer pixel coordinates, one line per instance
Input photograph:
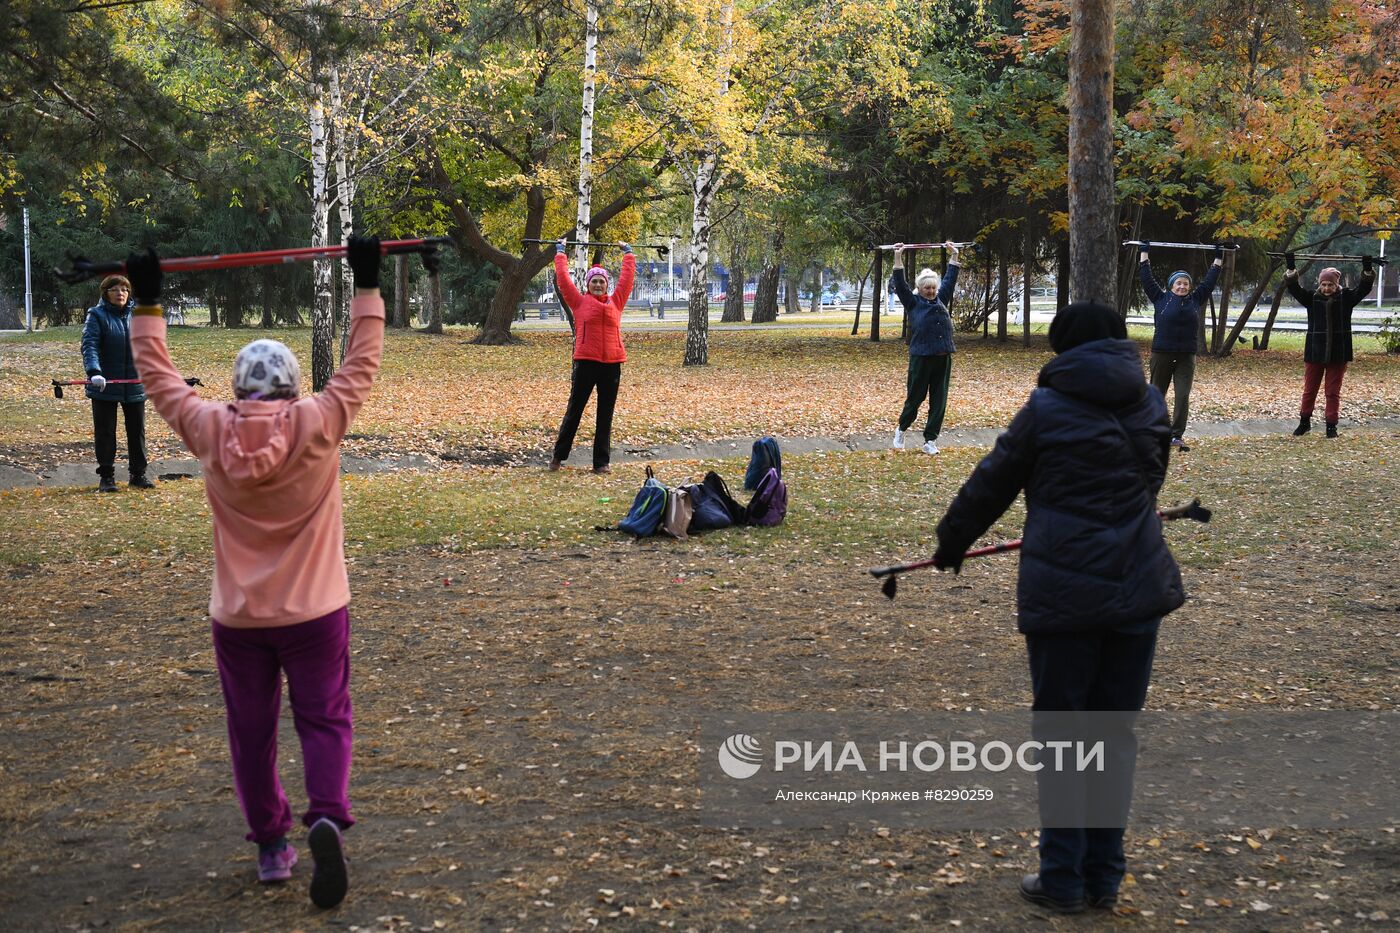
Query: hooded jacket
(1176, 319)
(107, 352)
(930, 323)
(597, 321)
(272, 476)
(1329, 319)
(1090, 449)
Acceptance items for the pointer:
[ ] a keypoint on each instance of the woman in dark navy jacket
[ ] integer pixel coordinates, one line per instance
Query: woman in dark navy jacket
(930, 345)
(107, 356)
(1176, 323)
(1090, 450)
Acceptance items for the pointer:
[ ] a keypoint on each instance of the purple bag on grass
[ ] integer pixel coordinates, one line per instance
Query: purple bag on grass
(769, 503)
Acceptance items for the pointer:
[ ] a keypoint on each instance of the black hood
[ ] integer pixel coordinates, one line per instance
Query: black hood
(1107, 373)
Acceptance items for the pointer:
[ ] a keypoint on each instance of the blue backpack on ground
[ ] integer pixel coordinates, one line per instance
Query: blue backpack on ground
(711, 504)
(766, 456)
(769, 504)
(648, 509)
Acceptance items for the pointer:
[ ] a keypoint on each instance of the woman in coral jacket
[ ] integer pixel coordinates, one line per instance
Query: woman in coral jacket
(598, 352)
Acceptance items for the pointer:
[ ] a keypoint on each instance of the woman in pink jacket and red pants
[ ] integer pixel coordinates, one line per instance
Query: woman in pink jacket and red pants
(598, 352)
(271, 464)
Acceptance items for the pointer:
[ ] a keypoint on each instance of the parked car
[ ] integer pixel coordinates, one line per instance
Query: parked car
(833, 298)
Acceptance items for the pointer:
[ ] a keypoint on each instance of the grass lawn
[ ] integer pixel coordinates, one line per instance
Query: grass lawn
(440, 394)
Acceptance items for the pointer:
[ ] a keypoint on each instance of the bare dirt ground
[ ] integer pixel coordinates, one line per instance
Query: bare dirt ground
(527, 745)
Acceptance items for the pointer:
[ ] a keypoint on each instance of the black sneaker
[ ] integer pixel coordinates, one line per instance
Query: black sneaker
(331, 877)
(1331, 429)
(142, 482)
(1031, 890)
(106, 484)
(1304, 426)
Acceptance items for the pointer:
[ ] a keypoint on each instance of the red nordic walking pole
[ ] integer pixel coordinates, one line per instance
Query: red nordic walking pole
(58, 384)
(1192, 510)
(86, 268)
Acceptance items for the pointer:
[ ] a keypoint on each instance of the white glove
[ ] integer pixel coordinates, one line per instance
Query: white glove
(98, 382)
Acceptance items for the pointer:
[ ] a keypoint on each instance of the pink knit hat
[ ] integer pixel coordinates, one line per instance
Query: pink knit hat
(597, 271)
(1330, 274)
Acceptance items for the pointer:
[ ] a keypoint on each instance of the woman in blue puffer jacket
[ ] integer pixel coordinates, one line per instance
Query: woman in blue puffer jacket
(1177, 323)
(107, 356)
(1090, 449)
(930, 345)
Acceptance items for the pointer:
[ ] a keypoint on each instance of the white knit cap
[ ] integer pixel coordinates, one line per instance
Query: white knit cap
(266, 369)
(926, 275)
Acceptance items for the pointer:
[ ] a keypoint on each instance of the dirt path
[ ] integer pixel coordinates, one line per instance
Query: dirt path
(527, 729)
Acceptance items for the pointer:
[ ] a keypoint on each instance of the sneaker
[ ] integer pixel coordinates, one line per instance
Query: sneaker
(275, 861)
(1031, 890)
(331, 877)
(1179, 444)
(898, 442)
(106, 484)
(1331, 429)
(602, 470)
(142, 482)
(1304, 426)
(930, 448)
(554, 465)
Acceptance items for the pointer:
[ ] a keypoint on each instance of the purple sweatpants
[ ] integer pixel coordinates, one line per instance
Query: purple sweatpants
(316, 657)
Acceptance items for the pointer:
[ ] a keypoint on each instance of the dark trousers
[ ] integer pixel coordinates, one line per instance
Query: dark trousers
(104, 435)
(928, 378)
(588, 375)
(1089, 671)
(1174, 369)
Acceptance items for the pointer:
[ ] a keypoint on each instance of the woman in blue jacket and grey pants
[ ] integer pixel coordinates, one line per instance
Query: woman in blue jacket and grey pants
(930, 345)
(1089, 448)
(107, 355)
(1176, 325)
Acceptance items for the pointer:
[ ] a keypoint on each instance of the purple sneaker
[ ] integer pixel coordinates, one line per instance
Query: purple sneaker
(275, 861)
(331, 877)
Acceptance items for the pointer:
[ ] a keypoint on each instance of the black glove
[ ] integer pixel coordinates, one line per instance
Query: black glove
(1288, 262)
(365, 257)
(1365, 263)
(432, 262)
(1146, 246)
(946, 558)
(1219, 251)
(143, 269)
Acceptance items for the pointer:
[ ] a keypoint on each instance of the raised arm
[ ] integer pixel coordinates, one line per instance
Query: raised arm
(348, 389)
(564, 282)
(1295, 288)
(897, 280)
(625, 277)
(950, 276)
(1150, 288)
(1363, 287)
(1202, 293)
(175, 400)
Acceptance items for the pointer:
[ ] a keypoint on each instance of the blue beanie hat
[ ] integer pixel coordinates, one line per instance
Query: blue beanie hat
(1171, 280)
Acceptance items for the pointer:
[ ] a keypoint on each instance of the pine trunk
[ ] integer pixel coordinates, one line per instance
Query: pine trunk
(1093, 211)
(401, 291)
